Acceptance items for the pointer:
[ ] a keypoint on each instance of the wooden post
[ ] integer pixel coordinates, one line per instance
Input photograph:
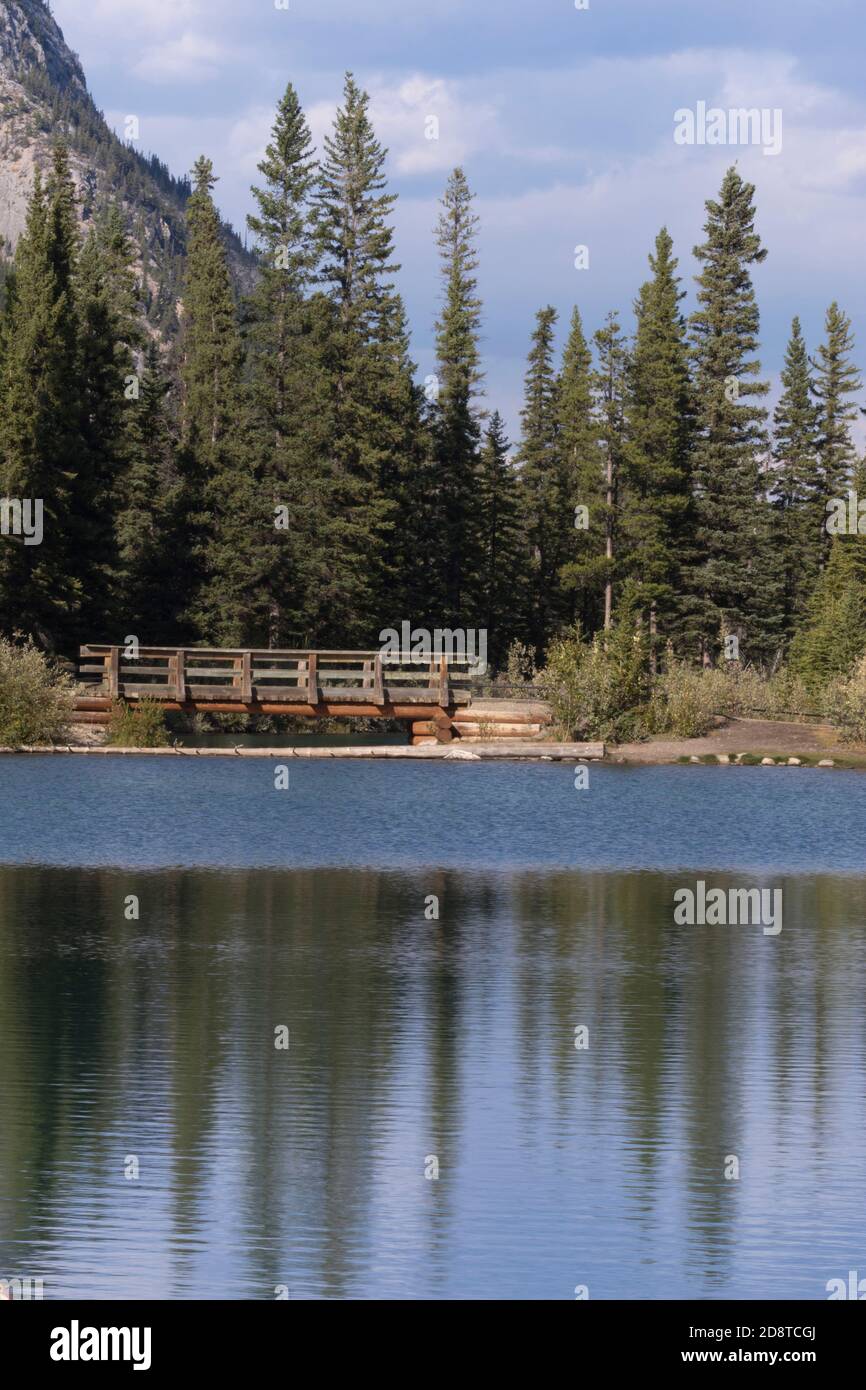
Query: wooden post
(312, 679)
(180, 677)
(444, 690)
(247, 678)
(378, 681)
(113, 665)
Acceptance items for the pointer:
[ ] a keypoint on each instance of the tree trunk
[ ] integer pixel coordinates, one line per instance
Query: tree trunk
(608, 546)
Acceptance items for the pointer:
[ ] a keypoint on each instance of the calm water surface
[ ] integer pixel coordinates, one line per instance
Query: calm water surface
(151, 1041)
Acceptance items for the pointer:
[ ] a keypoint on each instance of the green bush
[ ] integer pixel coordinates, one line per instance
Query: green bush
(684, 700)
(137, 726)
(788, 693)
(599, 689)
(686, 697)
(520, 668)
(603, 689)
(36, 698)
(846, 703)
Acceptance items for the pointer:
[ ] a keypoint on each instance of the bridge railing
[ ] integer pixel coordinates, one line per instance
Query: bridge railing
(261, 676)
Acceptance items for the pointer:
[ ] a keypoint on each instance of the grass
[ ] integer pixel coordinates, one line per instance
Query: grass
(853, 762)
(137, 726)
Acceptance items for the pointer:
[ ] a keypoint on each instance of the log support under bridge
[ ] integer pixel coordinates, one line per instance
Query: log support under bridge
(423, 723)
(297, 684)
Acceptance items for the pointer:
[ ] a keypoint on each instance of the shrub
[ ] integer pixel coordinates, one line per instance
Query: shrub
(685, 698)
(137, 726)
(601, 688)
(520, 667)
(788, 693)
(846, 703)
(36, 697)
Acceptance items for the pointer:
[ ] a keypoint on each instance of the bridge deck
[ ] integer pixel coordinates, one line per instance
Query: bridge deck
(272, 681)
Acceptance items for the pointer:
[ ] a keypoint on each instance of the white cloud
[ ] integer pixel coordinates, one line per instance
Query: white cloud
(404, 118)
(189, 58)
(131, 19)
(401, 116)
(247, 140)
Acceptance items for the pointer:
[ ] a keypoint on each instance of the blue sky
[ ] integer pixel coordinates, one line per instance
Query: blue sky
(563, 119)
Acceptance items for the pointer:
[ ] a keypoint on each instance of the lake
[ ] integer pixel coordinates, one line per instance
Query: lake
(425, 1030)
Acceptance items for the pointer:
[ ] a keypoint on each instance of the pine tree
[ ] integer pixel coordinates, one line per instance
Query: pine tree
(152, 548)
(456, 418)
(287, 390)
(658, 515)
(109, 332)
(501, 541)
(610, 386)
(835, 379)
(40, 591)
(583, 572)
(797, 491)
(546, 514)
(63, 234)
(366, 365)
(412, 548)
(833, 634)
(735, 587)
(229, 511)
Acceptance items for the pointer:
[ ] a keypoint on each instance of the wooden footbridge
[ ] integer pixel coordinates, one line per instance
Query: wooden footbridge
(434, 696)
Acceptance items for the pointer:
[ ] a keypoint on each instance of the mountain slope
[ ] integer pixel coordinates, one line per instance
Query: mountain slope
(43, 96)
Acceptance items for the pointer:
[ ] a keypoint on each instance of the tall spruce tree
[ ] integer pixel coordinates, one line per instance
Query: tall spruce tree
(502, 543)
(546, 513)
(658, 519)
(456, 417)
(412, 548)
(836, 378)
(109, 333)
(229, 512)
(367, 366)
(288, 398)
(833, 634)
(610, 384)
(797, 490)
(153, 551)
(40, 444)
(583, 571)
(736, 586)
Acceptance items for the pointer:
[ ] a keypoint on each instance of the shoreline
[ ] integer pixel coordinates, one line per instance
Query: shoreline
(738, 741)
(439, 752)
(733, 743)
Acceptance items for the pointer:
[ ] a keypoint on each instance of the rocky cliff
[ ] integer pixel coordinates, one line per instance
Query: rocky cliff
(43, 97)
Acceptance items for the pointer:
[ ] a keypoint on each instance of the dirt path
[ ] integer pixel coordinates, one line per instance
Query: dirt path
(758, 737)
